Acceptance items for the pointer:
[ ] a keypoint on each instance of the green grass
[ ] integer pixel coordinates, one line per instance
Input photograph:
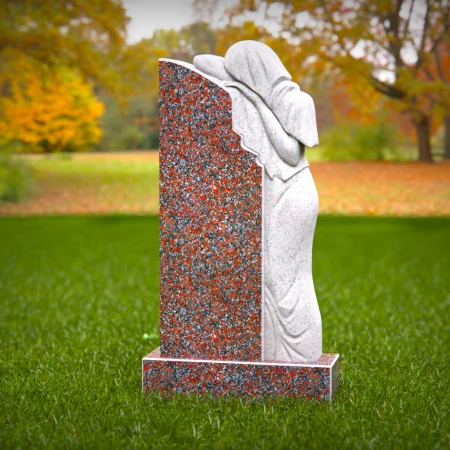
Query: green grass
(77, 295)
(112, 183)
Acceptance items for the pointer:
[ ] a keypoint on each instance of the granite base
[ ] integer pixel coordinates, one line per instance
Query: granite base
(318, 380)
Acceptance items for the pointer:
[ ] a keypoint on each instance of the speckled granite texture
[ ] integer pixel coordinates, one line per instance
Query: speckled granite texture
(210, 224)
(251, 379)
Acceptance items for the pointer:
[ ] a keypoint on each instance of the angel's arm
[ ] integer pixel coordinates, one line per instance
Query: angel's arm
(287, 147)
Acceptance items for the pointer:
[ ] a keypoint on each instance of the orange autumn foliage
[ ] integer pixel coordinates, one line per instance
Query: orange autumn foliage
(50, 112)
(87, 36)
(353, 101)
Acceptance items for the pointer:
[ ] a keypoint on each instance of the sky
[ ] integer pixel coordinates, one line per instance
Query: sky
(150, 15)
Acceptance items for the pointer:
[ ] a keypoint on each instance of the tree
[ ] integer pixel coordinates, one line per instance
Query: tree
(139, 117)
(386, 43)
(437, 74)
(51, 52)
(185, 43)
(49, 111)
(87, 36)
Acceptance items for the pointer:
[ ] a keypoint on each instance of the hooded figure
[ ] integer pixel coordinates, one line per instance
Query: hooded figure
(275, 120)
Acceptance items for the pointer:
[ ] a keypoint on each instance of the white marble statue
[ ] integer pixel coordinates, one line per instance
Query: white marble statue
(275, 120)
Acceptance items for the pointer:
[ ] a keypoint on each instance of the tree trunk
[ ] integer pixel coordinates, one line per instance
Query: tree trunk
(447, 137)
(423, 138)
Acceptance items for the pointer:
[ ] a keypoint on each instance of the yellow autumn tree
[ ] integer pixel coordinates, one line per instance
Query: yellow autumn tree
(49, 111)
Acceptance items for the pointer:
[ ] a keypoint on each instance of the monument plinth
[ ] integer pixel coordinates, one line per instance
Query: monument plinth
(250, 379)
(213, 255)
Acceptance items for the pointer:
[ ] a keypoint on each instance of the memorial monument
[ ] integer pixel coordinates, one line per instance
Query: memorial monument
(238, 209)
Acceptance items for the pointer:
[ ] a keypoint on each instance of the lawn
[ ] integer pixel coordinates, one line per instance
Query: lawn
(91, 184)
(127, 183)
(78, 294)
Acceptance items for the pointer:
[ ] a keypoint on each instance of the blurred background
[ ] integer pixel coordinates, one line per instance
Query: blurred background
(79, 97)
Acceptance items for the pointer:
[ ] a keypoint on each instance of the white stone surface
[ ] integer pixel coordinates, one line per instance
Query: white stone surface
(292, 326)
(275, 120)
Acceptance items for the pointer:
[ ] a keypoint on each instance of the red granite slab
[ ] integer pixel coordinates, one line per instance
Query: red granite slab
(210, 224)
(317, 380)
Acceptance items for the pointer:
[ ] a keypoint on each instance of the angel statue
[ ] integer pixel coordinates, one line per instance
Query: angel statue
(275, 121)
